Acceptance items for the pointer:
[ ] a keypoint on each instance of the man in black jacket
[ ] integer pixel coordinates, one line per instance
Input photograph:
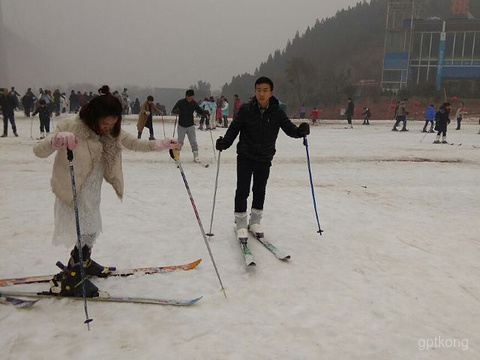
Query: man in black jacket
(185, 108)
(258, 124)
(350, 111)
(8, 103)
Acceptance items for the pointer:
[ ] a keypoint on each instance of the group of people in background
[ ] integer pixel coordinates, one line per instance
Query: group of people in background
(215, 111)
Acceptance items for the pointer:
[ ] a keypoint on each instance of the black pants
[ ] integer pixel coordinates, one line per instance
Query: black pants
(6, 118)
(149, 125)
(426, 124)
(441, 128)
(260, 171)
(459, 123)
(45, 125)
(401, 118)
(349, 119)
(205, 119)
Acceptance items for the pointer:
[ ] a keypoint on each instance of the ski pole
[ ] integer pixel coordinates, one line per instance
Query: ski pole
(175, 156)
(79, 238)
(31, 127)
(209, 234)
(305, 142)
(213, 146)
(424, 136)
(174, 126)
(163, 123)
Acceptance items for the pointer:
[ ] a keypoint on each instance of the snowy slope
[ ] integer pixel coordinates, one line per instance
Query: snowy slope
(398, 263)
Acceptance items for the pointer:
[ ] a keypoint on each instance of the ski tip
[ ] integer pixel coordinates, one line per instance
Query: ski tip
(196, 262)
(18, 303)
(194, 301)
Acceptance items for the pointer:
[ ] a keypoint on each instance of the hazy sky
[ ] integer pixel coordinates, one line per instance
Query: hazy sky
(160, 43)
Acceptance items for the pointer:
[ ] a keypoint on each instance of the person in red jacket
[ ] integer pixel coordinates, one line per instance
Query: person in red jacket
(314, 115)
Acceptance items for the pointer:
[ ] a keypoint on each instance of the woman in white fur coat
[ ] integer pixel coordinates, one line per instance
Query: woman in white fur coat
(96, 138)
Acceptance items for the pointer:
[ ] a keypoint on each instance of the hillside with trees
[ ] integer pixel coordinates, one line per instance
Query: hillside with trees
(324, 66)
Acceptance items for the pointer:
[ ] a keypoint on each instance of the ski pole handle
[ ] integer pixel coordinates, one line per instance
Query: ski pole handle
(174, 154)
(69, 155)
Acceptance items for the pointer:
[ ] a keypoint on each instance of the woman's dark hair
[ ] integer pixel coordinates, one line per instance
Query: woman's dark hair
(101, 107)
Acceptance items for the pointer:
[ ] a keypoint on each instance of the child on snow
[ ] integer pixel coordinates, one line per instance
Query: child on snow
(44, 115)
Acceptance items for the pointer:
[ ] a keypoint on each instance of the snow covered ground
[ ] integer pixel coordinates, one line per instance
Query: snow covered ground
(395, 273)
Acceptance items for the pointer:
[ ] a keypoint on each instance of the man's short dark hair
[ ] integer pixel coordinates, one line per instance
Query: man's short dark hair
(149, 98)
(189, 92)
(264, 80)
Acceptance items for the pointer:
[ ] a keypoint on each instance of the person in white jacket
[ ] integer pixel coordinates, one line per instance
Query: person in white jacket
(96, 138)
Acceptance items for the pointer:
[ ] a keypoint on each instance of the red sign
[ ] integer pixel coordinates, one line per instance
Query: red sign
(460, 7)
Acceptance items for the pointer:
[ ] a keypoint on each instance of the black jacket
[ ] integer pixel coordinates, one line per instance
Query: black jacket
(185, 111)
(258, 133)
(350, 108)
(8, 104)
(43, 113)
(442, 119)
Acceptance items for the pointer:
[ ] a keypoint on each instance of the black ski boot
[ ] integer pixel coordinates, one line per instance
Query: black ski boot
(90, 266)
(71, 284)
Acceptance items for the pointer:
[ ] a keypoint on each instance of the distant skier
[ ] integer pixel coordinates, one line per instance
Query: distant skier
(314, 116)
(442, 119)
(366, 115)
(186, 126)
(302, 111)
(350, 111)
(44, 115)
(258, 124)
(145, 117)
(459, 115)
(28, 101)
(401, 115)
(8, 104)
(236, 104)
(97, 139)
(429, 118)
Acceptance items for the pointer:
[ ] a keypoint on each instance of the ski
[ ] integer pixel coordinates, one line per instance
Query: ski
(106, 298)
(272, 248)
(124, 272)
(19, 303)
(247, 254)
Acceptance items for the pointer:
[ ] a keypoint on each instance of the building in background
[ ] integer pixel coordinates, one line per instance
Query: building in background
(423, 50)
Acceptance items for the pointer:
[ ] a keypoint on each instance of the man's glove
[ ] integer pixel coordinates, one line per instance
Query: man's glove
(304, 129)
(221, 144)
